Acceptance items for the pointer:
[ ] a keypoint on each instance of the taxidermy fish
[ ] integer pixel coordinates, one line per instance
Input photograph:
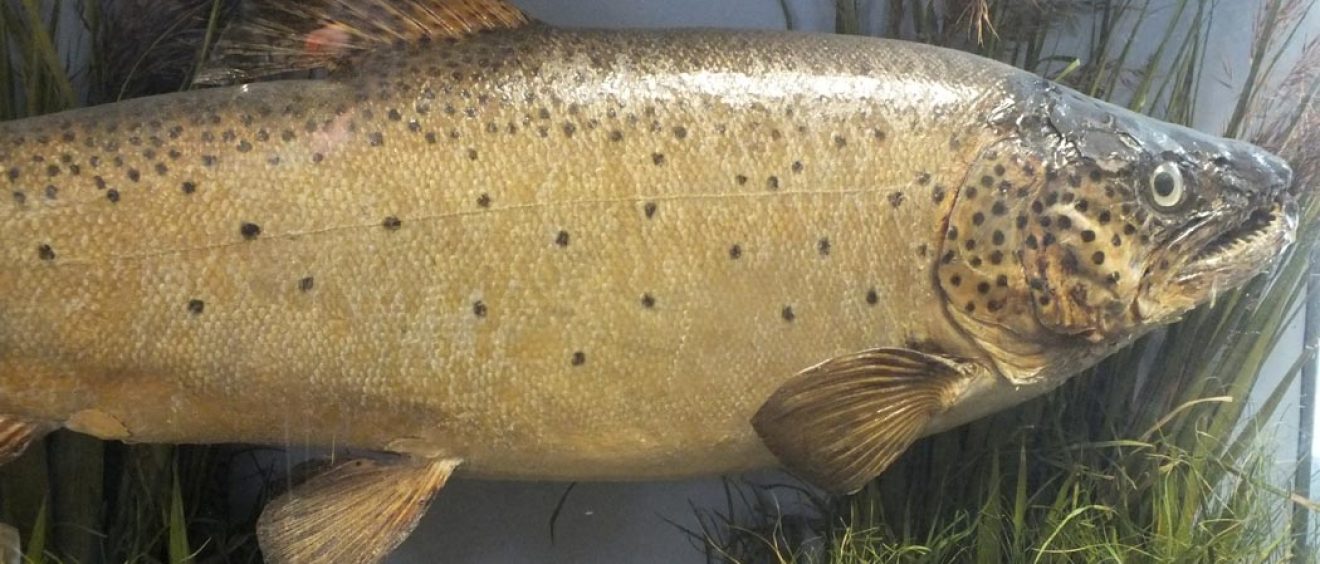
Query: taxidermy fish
(482, 244)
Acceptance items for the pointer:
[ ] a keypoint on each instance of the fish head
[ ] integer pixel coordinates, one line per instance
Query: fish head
(1088, 225)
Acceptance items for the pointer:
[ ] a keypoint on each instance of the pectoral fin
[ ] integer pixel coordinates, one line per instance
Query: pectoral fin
(841, 423)
(16, 434)
(356, 512)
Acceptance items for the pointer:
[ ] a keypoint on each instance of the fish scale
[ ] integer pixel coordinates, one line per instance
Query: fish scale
(388, 331)
(487, 245)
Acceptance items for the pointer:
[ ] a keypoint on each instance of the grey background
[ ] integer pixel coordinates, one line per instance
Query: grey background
(480, 522)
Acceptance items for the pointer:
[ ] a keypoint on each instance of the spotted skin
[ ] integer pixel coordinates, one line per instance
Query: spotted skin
(551, 254)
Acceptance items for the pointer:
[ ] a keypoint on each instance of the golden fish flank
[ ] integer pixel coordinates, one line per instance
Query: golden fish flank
(548, 254)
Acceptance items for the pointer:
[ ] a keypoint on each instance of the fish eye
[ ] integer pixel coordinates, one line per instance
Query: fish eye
(1166, 186)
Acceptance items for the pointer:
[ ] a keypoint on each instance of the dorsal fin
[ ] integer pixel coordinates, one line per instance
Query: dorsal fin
(271, 37)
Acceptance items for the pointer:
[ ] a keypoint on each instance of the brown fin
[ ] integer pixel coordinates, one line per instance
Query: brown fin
(840, 424)
(273, 37)
(355, 512)
(16, 434)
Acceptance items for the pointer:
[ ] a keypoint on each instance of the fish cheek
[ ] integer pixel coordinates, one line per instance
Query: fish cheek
(980, 271)
(1084, 254)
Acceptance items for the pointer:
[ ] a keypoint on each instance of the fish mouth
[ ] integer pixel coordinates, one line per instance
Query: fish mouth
(1236, 251)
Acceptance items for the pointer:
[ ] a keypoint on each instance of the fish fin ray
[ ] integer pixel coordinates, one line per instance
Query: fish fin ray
(17, 434)
(358, 511)
(273, 37)
(841, 423)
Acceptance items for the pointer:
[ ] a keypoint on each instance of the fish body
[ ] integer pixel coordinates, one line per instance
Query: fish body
(550, 254)
(559, 268)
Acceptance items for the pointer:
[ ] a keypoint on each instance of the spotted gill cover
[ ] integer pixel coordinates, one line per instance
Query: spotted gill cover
(524, 252)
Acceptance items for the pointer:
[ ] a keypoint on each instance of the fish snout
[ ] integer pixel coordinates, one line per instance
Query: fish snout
(1253, 172)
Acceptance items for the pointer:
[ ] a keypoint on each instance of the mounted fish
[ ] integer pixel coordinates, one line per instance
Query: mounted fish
(487, 245)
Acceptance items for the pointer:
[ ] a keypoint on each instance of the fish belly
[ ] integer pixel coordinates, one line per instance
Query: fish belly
(550, 254)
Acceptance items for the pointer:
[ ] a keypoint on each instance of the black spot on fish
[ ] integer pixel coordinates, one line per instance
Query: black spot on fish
(970, 307)
(740, 179)
(20, 198)
(772, 183)
(569, 129)
(562, 239)
(987, 181)
(1104, 217)
(1047, 240)
(376, 139)
(983, 288)
(938, 195)
(196, 307)
(735, 252)
(52, 170)
(1000, 170)
(1098, 258)
(307, 284)
(798, 167)
(1032, 243)
(1095, 176)
(1002, 281)
(161, 169)
(45, 252)
(978, 218)
(134, 175)
(998, 238)
(999, 208)
(840, 141)
(1129, 230)
(472, 154)
(112, 195)
(250, 231)
(823, 246)
(1021, 222)
(648, 301)
(52, 192)
(952, 234)
(208, 160)
(244, 146)
(896, 199)
(483, 201)
(431, 138)
(922, 250)
(970, 192)
(1088, 236)
(955, 280)
(788, 314)
(680, 132)
(579, 358)
(479, 309)
(1045, 221)
(948, 257)
(658, 159)
(970, 244)
(1117, 241)
(392, 223)
(997, 257)
(1065, 222)
(317, 158)
(872, 297)
(650, 209)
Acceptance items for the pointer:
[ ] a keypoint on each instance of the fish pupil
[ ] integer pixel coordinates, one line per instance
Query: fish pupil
(1164, 184)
